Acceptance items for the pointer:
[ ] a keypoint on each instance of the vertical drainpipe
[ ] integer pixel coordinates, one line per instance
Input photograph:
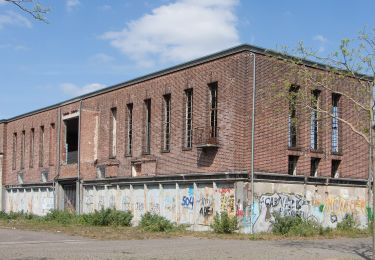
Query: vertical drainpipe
(252, 146)
(56, 198)
(78, 199)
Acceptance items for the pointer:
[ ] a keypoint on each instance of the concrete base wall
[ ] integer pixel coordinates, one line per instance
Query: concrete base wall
(327, 205)
(38, 201)
(193, 204)
(196, 204)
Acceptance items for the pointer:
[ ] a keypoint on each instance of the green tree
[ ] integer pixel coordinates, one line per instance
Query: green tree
(352, 67)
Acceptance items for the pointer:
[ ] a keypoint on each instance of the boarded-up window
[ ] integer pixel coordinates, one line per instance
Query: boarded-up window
(23, 143)
(113, 133)
(52, 142)
(41, 146)
(14, 152)
(32, 147)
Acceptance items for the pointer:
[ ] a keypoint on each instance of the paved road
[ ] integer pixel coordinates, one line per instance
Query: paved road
(28, 245)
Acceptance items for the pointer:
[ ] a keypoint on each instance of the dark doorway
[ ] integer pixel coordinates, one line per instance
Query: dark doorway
(71, 140)
(70, 197)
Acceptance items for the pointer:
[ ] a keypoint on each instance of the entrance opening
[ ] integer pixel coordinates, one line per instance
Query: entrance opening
(71, 140)
(70, 197)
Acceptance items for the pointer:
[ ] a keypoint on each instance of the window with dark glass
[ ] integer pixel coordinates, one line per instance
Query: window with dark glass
(314, 166)
(147, 126)
(129, 137)
(335, 168)
(188, 133)
(314, 126)
(292, 118)
(292, 164)
(213, 109)
(335, 123)
(166, 122)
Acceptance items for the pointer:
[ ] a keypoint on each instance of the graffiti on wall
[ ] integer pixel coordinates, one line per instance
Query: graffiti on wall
(227, 200)
(328, 211)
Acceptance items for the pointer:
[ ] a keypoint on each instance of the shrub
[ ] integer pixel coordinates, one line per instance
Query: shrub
(296, 226)
(155, 223)
(62, 217)
(106, 217)
(223, 223)
(347, 224)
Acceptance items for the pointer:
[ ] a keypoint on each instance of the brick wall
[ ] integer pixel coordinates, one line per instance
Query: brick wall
(234, 77)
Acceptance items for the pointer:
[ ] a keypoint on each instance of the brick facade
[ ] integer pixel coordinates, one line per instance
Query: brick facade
(233, 74)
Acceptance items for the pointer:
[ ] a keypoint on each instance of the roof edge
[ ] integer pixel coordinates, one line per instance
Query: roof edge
(192, 63)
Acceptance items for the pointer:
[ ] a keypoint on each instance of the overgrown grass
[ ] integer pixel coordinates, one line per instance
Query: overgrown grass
(104, 217)
(223, 223)
(107, 217)
(156, 223)
(298, 227)
(60, 221)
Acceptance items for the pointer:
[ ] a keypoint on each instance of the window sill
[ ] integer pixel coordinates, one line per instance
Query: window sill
(187, 148)
(337, 153)
(295, 148)
(165, 151)
(128, 155)
(316, 151)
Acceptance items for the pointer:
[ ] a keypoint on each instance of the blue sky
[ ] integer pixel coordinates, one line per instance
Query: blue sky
(90, 44)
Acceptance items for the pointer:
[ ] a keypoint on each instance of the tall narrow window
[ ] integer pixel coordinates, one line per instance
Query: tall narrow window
(14, 155)
(129, 139)
(23, 144)
(32, 147)
(147, 125)
(335, 123)
(314, 127)
(166, 122)
(292, 119)
(213, 109)
(335, 168)
(113, 132)
(314, 167)
(188, 134)
(292, 164)
(71, 140)
(41, 146)
(52, 142)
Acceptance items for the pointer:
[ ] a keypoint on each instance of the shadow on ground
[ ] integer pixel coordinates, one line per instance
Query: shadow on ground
(361, 249)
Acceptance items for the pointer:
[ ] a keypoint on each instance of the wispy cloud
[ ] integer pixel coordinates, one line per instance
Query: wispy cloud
(10, 18)
(178, 31)
(71, 89)
(16, 47)
(71, 4)
(322, 41)
(105, 7)
(100, 58)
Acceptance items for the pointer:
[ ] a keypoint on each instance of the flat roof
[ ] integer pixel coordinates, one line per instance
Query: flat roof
(195, 62)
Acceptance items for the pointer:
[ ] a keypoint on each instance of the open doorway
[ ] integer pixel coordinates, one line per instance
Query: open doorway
(71, 140)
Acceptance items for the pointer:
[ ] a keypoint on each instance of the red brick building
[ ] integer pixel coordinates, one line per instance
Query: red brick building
(185, 124)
